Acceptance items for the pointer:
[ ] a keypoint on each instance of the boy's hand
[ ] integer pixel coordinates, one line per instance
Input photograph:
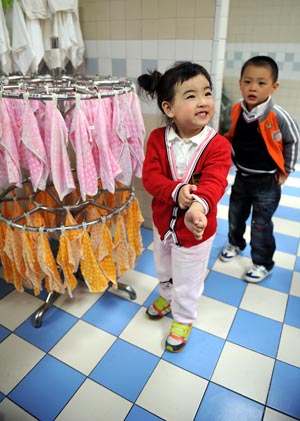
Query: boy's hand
(281, 179)
(185, 197)
(195, 220)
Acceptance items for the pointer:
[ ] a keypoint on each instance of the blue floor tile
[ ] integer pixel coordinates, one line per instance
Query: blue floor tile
(222, 227)
(225, 288)
(138, 414)
(220, 241)
(220, 404)
(147, 236)
(291, 191)
(56, 323)
(145, 263)
(291, 214)
(5, 288)
(225, 200)
(47, 388)
(3, 333)
(292, 315)
(1, 396)
(125, 369)
(286, 243)
(284, 390)
(297, 264)
(255, 332)
(111, 313)
(200, 355)
(280, 280)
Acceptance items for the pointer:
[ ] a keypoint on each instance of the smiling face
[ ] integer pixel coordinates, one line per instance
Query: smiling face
(192, 107)
(257, 85)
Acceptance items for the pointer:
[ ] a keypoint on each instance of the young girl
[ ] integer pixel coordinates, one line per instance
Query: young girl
(185, 170)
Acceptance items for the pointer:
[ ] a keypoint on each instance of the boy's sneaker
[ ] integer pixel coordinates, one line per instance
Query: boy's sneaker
(229, 252)
(158, 309)
(257, 274)
(178, 336)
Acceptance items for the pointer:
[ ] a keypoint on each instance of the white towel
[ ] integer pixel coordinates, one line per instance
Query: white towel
(36, 9)
(36, 39)
(5, 50)
(63, 5)
(22, 52)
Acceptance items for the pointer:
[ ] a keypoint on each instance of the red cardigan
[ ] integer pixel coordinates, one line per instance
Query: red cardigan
(209, 170)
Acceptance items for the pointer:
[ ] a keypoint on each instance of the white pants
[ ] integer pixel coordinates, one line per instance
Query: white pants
(186, 267)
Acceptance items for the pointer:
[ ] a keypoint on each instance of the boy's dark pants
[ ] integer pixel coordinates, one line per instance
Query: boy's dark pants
(262, 193)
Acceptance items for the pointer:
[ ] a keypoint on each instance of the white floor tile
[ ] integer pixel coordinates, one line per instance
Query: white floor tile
(295, 287)
(17, 358)
(284, 260)
(147, 334)
(292, 182)
(284, 226)
(11, 412)
(236, 268)
(231, 177)
(289, 347)
(16, 307)
(264, 301)
(271, 415)
(172, 393)
(222, 211)
(290, 201)
(81, 301)
(142, 284)
(215, 317)
(83, 346)
(94, 402)
(244, 371)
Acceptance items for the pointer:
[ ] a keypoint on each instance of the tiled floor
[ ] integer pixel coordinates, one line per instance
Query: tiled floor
(97, 357)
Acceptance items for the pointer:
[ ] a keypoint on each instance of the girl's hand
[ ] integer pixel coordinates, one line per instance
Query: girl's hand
(185, 197)
(195, 220)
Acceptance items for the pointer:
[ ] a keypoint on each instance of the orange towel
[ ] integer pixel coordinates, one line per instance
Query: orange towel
(133, 220)
(5, 260)
(93, 275)
(33, 269)
(102, 244)
(47, 262)
(13, 249)
(69, 253)
(125, 254)
(105, 254)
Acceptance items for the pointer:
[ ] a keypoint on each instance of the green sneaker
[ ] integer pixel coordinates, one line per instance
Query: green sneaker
(158, 309)
(178, 336)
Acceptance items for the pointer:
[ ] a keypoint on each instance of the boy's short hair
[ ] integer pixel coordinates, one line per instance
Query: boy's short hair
(262, 61)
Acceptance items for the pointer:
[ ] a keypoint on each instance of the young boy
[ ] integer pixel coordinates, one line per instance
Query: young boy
(264, 141)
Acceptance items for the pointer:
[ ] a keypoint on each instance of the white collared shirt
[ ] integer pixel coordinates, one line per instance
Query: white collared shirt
(184, 149)
(256, 112)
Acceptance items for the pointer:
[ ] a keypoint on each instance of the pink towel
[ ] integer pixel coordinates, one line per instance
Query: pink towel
(119, 141)
(56, 142)
(35, 152)
(136, 131)
(10, 172)
(109, 168)
(81, 140)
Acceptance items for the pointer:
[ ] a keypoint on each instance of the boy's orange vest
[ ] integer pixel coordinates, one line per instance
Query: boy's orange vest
(270, 131)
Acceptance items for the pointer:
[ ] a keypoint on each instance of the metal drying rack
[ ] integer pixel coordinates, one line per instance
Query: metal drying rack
(63, 89)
